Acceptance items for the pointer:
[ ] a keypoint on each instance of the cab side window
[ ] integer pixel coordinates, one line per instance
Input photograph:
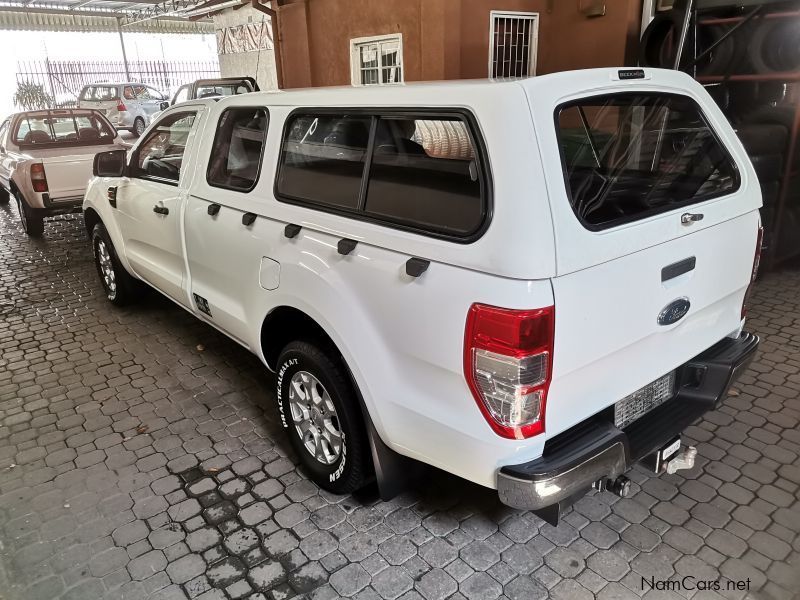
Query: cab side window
(182, 95)
(160, 155)
(238, 145)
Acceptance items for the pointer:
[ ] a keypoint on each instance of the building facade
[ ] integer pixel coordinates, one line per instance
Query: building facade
(339, 42)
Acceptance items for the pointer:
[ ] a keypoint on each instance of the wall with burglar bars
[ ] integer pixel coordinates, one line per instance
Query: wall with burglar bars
(57, 84)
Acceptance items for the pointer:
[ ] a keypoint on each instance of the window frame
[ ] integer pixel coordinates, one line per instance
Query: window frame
(5, 127)
(260, 157)
(604, 227)
(89, 112)
(533, 43)
(355, 66)
(419, 113)
(134, 171)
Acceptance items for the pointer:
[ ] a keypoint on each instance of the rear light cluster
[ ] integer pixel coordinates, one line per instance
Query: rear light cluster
(508, 364)
(38, 178)
(754, 272)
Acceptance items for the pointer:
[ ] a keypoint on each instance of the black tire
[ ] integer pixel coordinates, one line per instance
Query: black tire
(653, 45)
(120, 287)
(768, 167)
(4, 196)
(774, 46)
(348, 470)
(138, 126)
(658, 45)
(32, 224)
(763, 138)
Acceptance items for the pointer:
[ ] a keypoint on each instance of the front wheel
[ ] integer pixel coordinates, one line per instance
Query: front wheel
(321, 415)
(32, 224)
(120, 287)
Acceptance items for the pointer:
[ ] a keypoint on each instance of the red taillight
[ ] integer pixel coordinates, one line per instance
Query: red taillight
(38, 178)
(121, 106)
(508, 363)
(754, 272)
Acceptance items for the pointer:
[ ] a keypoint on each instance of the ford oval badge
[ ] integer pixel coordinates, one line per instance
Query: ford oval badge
(674, 311)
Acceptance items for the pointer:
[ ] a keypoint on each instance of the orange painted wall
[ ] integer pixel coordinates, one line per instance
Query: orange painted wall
(446, 39)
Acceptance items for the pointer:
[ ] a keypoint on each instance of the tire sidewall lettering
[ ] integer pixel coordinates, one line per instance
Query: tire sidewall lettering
(281, 372)
(340, 469)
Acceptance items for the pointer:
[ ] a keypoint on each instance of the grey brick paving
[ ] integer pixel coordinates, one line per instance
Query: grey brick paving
(141, 457)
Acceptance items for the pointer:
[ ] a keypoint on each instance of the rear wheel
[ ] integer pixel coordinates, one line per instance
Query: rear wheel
(120, 287)
(138, 126)
(321, 415)
(32, 224)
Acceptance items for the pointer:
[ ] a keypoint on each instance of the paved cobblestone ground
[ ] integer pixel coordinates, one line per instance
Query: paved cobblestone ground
(140, 457)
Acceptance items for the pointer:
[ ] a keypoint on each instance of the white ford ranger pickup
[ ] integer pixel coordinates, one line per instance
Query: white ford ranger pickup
(46, 159)
(532, 284)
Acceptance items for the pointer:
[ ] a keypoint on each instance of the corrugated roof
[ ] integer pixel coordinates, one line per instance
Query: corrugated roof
(138, 16)
(58, 21)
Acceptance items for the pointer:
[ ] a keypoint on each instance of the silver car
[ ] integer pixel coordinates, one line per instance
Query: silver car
(127, 105)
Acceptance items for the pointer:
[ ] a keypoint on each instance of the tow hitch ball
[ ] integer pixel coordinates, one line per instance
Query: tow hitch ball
(684, 460)
(621, 486)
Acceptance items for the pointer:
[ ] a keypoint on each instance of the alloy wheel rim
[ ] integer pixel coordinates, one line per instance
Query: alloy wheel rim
(106, 269)
(315, 418)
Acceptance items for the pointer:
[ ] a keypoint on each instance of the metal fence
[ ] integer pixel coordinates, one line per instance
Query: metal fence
(62, 80)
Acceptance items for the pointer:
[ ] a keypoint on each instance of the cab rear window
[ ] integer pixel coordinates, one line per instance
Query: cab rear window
(629, 156)
(54, 129)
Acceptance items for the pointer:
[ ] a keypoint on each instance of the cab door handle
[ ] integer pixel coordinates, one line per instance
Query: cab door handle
(160, 210)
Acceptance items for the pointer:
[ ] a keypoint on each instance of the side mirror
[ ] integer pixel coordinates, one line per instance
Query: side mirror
(164, 105)
(110, 164)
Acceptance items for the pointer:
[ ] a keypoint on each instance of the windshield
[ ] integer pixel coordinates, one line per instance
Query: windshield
(629, 156)
(63, 129)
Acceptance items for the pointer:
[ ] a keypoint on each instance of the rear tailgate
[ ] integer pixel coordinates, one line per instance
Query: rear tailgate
(68, 175)
(638, 156)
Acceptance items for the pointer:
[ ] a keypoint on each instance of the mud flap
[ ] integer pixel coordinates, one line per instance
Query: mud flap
(394, 473)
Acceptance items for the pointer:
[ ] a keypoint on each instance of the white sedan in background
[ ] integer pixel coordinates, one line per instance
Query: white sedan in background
(46, 159)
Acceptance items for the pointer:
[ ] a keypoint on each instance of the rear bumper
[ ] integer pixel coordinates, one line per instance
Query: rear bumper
(595, 449)
(58, 206)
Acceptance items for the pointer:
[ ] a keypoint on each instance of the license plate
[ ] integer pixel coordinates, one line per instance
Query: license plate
(643, 400)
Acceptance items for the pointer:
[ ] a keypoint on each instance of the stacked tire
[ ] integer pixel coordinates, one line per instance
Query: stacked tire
(766, 141)
(765, 45)
(659, 43)
(761, 106)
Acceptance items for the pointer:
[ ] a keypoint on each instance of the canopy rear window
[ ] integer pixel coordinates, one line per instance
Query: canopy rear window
(68, 129)
(100, 93)
(629, 156)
